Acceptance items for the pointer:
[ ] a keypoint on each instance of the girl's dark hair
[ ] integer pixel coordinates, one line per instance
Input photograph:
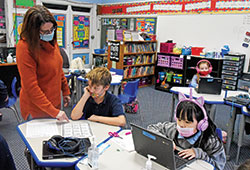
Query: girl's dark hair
(186, 110)
(34, 18)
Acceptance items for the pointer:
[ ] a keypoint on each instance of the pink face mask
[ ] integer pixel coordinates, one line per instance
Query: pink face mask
(185, 132)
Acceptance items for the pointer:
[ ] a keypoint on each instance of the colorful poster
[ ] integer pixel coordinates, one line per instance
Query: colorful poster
(124, 23)
(80, 31)
(18, 21)
(83, 56)
(150, 26)
(61, 26)
(23, 3)
(140, 24)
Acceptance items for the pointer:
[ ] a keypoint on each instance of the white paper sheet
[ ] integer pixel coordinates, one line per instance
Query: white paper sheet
(126, 142)
(38, 129)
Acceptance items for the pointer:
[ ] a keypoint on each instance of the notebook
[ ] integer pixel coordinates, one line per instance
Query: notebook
(147, 142)
(210, 85)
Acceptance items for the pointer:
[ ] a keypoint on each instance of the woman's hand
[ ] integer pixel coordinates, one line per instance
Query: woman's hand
(62, 116)
(187, 153)
(66, 100)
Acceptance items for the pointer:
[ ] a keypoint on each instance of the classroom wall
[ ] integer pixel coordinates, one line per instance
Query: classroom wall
(209, 31)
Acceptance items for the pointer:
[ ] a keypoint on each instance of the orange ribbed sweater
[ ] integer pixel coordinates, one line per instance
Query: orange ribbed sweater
(41, 81)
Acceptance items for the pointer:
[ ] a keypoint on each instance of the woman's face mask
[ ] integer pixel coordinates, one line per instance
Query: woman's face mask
(47, 37)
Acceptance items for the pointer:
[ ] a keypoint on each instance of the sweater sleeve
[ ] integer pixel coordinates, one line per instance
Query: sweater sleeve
(194, 81)
(65, 87)
(214, 153)
(167, 129)
(27, 68)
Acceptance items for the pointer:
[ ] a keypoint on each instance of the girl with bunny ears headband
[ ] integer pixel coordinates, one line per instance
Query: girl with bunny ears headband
(193, 132)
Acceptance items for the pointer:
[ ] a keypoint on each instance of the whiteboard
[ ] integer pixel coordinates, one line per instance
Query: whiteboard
(206, 30)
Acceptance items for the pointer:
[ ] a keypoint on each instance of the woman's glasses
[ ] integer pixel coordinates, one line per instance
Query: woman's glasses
(48, 31)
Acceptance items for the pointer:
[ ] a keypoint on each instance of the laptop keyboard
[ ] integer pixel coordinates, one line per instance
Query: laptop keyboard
(180, 161)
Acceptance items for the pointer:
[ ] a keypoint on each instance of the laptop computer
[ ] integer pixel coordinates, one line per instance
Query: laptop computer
(147, 142)
(210, 85)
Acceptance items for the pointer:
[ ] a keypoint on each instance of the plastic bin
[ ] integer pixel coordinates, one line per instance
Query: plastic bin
(231, 63)
(163, 61)
(176, 62)
(196, 50)
(99, 51)
(167, 47)
(243, 85)
(228, 87)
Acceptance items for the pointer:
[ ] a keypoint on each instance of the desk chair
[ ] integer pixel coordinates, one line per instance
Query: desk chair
(129, 92)
(245, 118)
(12, 100)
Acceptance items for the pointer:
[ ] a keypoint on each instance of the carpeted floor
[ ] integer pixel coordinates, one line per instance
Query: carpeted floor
(155, 106)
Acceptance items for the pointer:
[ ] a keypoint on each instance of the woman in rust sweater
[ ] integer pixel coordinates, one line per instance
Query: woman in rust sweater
(40, 66)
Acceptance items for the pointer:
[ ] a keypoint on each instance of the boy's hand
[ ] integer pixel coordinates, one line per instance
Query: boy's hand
(93, 118)
(86, 91)
(187, 153)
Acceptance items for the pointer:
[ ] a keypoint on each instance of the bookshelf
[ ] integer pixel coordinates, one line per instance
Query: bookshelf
(136, 58)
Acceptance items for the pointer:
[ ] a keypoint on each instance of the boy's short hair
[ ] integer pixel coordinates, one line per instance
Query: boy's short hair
(99, 76)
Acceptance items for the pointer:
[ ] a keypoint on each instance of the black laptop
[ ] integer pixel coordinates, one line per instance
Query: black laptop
(147, 142)
(210, 85)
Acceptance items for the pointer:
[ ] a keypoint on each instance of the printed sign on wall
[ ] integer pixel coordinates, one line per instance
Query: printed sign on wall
(80, 31)
(23, 3)
(114, 51)
(60, 20)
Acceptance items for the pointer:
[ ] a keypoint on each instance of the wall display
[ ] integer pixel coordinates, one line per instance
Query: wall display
(83, 56)
(18, 21)
(140, 24)
(150, 26)
(60, 20)
(177, 7)
(124, 23)
(81, 31)
(24, 3)
(114, 51)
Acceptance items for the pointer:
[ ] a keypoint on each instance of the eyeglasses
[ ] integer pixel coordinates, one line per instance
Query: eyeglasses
(48, 31)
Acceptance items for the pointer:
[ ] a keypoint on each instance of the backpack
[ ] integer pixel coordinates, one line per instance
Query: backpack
(132, 107)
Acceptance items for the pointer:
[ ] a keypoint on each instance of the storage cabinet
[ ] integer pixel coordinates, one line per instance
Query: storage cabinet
(2, 26)
(99, 60)
(232, 70)
(136, 58)
(169, 71)
(178, 70)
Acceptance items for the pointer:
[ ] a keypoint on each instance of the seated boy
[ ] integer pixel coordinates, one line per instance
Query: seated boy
(97, 104)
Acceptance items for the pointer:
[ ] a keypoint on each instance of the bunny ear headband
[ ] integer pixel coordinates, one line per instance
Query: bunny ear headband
(199, 101)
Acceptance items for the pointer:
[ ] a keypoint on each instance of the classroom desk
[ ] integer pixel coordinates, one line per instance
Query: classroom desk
(115, 158)
(210, 99)
(236, 109)
(115, 83)
(35, 144)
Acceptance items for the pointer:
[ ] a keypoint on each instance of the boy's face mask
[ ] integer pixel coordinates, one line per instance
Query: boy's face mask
(185, 132)
(97, 95)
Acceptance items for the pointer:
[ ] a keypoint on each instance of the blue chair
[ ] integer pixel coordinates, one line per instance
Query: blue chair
(117, 71)
(12, 100)
(129, 92)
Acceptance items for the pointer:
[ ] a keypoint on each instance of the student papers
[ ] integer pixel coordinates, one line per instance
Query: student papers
(44, 129)
(126, 140)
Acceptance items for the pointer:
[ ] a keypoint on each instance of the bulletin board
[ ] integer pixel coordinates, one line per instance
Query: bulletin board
(61, 21)
(81, 30)
(83, 56)
(24, 3)
(18, 21)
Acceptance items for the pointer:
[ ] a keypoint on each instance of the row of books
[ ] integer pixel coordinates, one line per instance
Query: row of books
(138, 59)
(138, 71)
(139, 48)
